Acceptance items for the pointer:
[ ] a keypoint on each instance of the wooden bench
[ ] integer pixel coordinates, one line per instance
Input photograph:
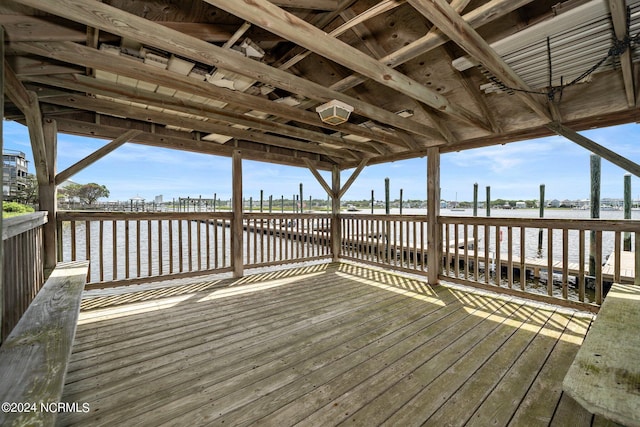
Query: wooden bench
(605, 375)
(33, 358)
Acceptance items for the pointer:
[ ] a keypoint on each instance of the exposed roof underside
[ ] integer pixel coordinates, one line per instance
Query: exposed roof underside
(215, 75)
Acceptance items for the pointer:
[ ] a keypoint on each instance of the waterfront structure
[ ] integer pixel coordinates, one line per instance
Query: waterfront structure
(15, 170)
(242, 79)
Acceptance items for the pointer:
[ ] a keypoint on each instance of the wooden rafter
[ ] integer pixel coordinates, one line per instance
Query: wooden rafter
(275, 19)
(81, 83)
(457, 29)
(149, 33)
(353, 21)
(619, 18)
(155, 136)
(433, 39)
(138, 113)
(70, 52)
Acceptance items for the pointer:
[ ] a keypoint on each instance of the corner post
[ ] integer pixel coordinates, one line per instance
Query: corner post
(237, 230)
(434, 242)
(48, 194)
(336, 231)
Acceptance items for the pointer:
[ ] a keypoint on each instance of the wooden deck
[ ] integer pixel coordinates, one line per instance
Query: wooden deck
(322, 345)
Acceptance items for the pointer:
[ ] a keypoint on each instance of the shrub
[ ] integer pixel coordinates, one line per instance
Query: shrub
(15, 207)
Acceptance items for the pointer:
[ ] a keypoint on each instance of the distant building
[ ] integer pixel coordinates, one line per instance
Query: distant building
(521, 205)
(14, 174)
(158, 200)
(555, 203)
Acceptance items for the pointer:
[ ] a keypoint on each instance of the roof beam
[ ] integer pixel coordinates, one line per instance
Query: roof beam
(174, 140)
(489, 12)
(103, 16)
(352, 21)
(81, 83)
(138, 113)
(596, 148)
(308, 4)
(96, 155)
(618, 10)
(440, 13)
(87, 57)
(319, 177)
(265, 14)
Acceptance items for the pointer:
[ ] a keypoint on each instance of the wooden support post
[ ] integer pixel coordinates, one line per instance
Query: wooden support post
(2, 82)
(434, 242)
(595, 210)
(236, 226)
(336, 231)
(627, 209)
(48, 194)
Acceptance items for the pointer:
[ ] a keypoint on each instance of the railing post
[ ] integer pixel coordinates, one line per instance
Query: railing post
(237, 230)
(336, 231)
(434, 242)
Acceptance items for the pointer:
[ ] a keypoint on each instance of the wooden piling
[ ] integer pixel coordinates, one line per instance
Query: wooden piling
(270, 203)
(386, 196)
(261, 200)
(401, 201)
(488, 201)
(372, 202)
(595, 211)
(301, 199)
(475, 199)
(627, 210)
(541, 208)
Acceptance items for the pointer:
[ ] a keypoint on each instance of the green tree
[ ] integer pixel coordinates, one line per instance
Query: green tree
(87, 193)
(29, 194)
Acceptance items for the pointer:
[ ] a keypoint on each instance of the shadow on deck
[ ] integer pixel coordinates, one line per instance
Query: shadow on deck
(322, 345)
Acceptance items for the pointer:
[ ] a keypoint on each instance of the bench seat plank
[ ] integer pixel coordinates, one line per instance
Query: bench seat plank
(605, 375)
(33, 358)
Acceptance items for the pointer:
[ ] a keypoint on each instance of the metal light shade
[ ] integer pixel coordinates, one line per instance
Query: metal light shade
(334, 112)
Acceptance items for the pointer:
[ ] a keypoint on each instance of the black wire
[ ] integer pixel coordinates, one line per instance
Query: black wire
(619, 47)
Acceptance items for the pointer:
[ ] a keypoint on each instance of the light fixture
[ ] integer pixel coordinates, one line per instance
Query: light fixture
(405, 113)
(334, 112)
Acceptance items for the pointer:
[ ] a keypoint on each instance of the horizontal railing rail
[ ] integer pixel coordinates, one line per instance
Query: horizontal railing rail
(566, 259)
(273, 239)
(144, 246)
(23, 265)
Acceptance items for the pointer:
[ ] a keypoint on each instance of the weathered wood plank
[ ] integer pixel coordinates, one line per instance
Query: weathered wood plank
(604, 376)
(35, 355)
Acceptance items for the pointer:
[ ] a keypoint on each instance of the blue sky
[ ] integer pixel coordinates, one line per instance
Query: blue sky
(514, 171)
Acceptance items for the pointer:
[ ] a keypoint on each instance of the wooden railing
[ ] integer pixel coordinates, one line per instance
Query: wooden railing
(564, 259)
(514, 255)
(399, 241)
(135, 247)
(23, 270)
(272, 239)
